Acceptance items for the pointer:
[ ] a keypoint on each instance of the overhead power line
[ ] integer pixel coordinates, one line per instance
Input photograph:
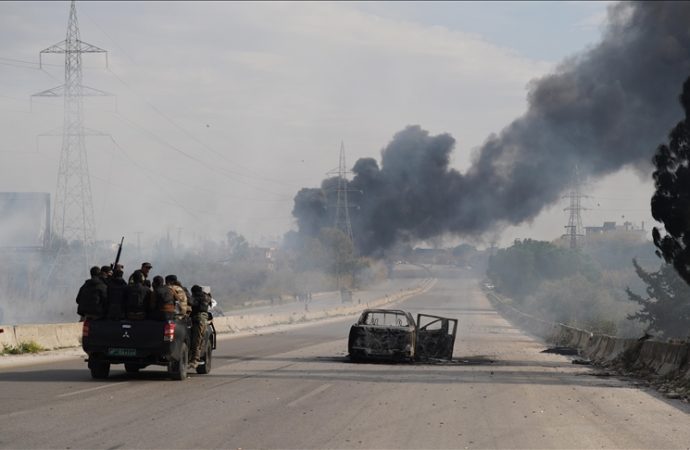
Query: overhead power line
(246, 171)
(213, 168)
(180, 182)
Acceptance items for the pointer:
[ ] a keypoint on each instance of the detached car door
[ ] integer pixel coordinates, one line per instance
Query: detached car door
(435, 337)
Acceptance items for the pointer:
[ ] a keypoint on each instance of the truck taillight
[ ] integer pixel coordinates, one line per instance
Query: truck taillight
(169, 333)
(85, 329)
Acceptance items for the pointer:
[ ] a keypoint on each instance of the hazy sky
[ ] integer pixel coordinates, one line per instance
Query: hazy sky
(223, 110)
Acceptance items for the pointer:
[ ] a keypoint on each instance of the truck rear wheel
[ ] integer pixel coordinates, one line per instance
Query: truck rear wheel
(178, 369)
(99, 369)
(205, 368)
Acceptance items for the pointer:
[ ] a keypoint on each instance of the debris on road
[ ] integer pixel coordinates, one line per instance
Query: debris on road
(567, 351)
(582, 362)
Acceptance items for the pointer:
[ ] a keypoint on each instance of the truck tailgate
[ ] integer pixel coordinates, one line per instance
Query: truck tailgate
(125, 338)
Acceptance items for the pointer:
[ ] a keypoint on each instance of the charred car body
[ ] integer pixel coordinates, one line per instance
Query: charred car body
(393, 334)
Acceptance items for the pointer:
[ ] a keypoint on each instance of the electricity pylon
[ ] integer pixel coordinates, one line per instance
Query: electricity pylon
(341, 218)
(574, 227)
(342, 208)
(73, 216)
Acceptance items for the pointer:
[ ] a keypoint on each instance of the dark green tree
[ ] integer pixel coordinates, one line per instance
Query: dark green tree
(665, 309)
(520, 269)
(671, 200)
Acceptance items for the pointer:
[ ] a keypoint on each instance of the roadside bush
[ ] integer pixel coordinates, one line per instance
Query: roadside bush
(570, 286)
(22, 348)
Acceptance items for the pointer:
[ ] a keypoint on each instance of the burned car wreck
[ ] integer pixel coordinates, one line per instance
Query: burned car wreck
(393, 334)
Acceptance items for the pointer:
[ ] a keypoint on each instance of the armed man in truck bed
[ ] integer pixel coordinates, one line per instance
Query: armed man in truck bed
(92, 299)
(201, 303)
(144, 271)
(180, 296)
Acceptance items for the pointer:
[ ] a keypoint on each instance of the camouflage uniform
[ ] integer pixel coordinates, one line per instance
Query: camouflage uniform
(180, 296)
(181, 300)
(201, 301)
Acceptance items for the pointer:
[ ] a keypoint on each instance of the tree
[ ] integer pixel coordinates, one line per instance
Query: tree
(577, 301)
(671, 200)
(341, 255)
(666, 309)
(464, 253)
(310, 255)
(519, 270)
(238, 247)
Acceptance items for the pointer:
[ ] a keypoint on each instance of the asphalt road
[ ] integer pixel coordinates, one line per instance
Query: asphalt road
(296, 389)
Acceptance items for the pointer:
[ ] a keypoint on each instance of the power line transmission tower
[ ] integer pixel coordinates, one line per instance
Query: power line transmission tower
(73, 216)
(342, 208)
(341, 219)
(574, 227)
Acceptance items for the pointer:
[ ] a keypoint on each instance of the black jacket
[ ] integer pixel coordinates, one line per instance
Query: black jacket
(92, 298)
(117, 298)
(138, 299)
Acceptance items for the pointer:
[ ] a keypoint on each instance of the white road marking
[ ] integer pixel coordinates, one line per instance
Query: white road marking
(316, 391)
(69, 394)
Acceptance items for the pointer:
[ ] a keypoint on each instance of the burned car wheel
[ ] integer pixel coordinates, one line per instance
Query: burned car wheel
(356, 357)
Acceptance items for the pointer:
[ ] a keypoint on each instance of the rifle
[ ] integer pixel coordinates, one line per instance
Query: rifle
(119, 252)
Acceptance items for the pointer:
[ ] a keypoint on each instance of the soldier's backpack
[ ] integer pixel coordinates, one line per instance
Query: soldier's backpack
(117, 298)
(92, 298)
(137, 296)
(165, 303)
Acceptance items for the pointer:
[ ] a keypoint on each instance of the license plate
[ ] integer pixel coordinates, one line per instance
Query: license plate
(122, 352)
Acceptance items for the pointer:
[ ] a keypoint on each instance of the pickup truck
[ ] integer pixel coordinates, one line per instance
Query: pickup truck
(141, 343)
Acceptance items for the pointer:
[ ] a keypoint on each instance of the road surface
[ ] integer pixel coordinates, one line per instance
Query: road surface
(296, 389)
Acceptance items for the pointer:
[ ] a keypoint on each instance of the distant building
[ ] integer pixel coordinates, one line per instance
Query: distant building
(262, 255)
(611, 227)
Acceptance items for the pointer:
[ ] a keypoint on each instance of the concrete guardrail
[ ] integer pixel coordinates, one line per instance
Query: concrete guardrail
(670, 360)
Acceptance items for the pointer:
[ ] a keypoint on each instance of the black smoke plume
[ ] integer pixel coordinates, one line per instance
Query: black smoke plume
(601, 110)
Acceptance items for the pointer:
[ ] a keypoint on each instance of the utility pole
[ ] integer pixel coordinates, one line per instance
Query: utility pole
(574, 227)
(73, 216)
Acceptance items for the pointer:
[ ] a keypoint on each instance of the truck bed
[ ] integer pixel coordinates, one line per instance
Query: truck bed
(142, 341)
